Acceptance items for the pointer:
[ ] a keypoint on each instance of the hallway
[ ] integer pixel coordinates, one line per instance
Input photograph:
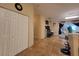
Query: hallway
(44, 47)
(23, 33)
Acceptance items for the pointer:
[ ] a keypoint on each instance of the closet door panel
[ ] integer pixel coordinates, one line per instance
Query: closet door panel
(4, 32)
(13, 32)
(1, 32)
(13, 41)
(23, 31)
(18, 33)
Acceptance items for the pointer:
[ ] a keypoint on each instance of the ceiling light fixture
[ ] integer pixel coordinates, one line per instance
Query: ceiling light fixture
(71, 17)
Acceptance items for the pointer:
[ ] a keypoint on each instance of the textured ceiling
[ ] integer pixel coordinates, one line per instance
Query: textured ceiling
(57, 11)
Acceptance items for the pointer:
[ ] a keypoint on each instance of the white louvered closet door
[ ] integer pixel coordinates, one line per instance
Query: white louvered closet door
(13, 32)
(18, 33)
(4, 32)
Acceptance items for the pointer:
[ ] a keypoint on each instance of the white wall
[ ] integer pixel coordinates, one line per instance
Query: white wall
(54, 27)
(43, 32)
(39, 27)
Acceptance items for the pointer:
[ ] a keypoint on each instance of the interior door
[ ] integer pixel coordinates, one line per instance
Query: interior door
(18, 33)
(13, 32)
(4, 32)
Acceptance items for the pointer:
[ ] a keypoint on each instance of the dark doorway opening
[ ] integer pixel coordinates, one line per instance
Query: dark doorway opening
(60, 26)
